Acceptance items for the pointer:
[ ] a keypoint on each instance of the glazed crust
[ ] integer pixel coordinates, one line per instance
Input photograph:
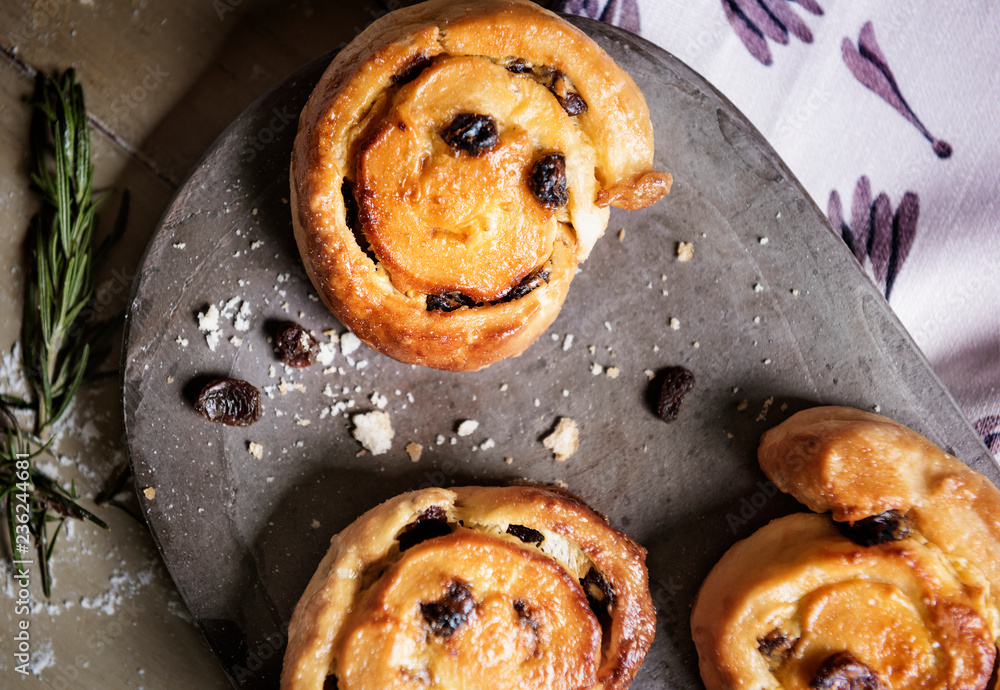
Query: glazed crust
(781, 602)
(856, 464)
(918, 611)
(437, 221)
(363, 615)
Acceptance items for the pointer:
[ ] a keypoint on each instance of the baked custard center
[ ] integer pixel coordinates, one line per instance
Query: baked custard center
(465, 609)
(913, 632)
(443, 216)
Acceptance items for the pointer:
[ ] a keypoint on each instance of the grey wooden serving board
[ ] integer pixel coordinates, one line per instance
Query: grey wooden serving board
(767, 329)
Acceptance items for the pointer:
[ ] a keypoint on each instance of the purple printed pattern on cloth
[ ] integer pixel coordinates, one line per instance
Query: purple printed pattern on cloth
(623, 13)
(869, 66)
(755, 21)
(989, 428)
(877, 233)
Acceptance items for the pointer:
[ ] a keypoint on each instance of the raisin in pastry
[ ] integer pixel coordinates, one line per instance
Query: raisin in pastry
(453, 166)
(900, 589)
(515, 587)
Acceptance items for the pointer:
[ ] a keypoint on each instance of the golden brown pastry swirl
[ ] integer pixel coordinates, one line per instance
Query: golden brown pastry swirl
(471, 587)
(453, 165)
(900, 592)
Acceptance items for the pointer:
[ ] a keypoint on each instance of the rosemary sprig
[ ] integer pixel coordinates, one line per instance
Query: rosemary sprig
(61, 340)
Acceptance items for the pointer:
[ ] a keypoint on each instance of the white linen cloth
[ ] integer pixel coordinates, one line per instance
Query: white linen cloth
(828, 82)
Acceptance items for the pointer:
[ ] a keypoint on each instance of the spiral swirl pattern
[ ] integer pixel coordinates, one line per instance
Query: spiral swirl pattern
(451, 169)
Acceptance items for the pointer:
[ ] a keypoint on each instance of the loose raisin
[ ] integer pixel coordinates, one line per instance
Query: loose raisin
(877, 529)
(677, 382)
(431, 523)
(526, 534)
(449, 301)
(229, 401)
(472, 133)
(548, 180)
(842, 671)
(449, 613)
(296, 347)
(330, 683)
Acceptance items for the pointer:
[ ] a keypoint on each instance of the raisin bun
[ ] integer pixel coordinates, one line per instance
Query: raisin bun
(453, 166)
(898, 590)
(445, 588)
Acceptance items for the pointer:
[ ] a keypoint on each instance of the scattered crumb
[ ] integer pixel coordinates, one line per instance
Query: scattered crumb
(256, 244)
(763, 410)
(650, 374)
(613, 372)
(675, 323)
(696, 344)
(538, 403)
(607, 325)
(596, 369)
(621, 235)
(302, 422)
(170, 379)
(663, 277)
(503, 387)
(256, 450)
(440, 439)
(374, 431)
(487, 444)
(564, 439)
(685, 251)
(379, 400)
(567, 342)
(349, 343)
(212, 339)
(744, 404)
(561, 484)
(315, 524)
(149, 492)
(183, 342)
(179, 245)
(414, 450)
(756, 319)
(209, 319)
(757, 287)
(591, 349)
(763, 240)
(767, 360)
(795, 292)
(467, 427)
(508, 460)
(876, 408)
(236, 342)
(242, 321)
